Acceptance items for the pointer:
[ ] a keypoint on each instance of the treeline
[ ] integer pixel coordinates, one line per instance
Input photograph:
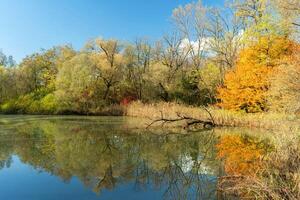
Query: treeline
(242, 57)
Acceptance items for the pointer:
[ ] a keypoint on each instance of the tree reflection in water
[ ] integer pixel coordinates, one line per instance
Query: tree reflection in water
(243, 158)
(103, 155)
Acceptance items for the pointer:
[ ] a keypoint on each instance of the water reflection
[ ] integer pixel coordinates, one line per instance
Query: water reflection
(105, 155)
(243, 158)
(243, 155)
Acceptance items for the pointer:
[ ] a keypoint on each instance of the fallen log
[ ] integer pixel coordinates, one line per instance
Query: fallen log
(207, 124)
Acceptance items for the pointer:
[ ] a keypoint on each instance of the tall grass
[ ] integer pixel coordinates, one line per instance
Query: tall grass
(272, 121)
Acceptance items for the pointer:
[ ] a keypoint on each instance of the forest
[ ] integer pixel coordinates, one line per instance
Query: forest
(243, 57)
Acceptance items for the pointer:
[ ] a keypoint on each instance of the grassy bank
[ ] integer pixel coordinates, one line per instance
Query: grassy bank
(271, 121)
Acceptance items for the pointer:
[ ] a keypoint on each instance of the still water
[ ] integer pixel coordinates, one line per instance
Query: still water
(87, 158)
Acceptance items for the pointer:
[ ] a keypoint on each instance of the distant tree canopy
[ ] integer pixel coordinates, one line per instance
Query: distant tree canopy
(7, 61)
(240, 57)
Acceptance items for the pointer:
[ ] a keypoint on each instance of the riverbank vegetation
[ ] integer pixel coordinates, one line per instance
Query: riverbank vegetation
(239, 65)
(221, 117)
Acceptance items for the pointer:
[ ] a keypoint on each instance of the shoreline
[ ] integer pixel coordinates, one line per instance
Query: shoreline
(222, 118)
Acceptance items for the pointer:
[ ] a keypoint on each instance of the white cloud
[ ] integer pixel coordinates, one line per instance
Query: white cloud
(202, 45)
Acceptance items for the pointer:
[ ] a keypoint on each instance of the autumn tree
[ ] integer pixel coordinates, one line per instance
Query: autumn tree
(38, 70)
(8, 87)
(246, 86)
(168, 70)
(260, 19)
(225, 31)
(109, 62)
(212, 39)
(251, 11)
(284, 94)
(190, 22)
(138, 58)
(210, 78)
(8, 77)
(290, 10)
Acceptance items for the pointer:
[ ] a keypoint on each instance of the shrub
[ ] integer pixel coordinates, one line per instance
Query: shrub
(9, 107)
(48, 104)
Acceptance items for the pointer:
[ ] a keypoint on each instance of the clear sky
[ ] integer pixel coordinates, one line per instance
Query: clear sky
(26, 26)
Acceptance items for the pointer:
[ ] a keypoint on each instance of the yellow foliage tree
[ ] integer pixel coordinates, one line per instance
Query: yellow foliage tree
(245, 87)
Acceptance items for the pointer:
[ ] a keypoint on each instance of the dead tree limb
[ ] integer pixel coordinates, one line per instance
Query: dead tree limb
(207, 124)
(211, 116)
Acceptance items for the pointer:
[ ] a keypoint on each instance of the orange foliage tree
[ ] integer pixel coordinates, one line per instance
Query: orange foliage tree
(245, 87)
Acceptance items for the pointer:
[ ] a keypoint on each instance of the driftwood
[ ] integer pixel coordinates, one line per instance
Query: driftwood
(207, 124)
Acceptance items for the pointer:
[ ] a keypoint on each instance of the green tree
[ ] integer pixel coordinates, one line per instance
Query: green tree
(75, 83)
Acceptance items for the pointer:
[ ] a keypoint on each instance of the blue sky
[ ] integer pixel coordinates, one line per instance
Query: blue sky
(29, 25)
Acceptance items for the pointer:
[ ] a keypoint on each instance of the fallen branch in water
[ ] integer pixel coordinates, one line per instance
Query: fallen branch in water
(207, 124)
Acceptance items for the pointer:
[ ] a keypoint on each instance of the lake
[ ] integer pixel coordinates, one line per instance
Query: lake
(87, 158)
